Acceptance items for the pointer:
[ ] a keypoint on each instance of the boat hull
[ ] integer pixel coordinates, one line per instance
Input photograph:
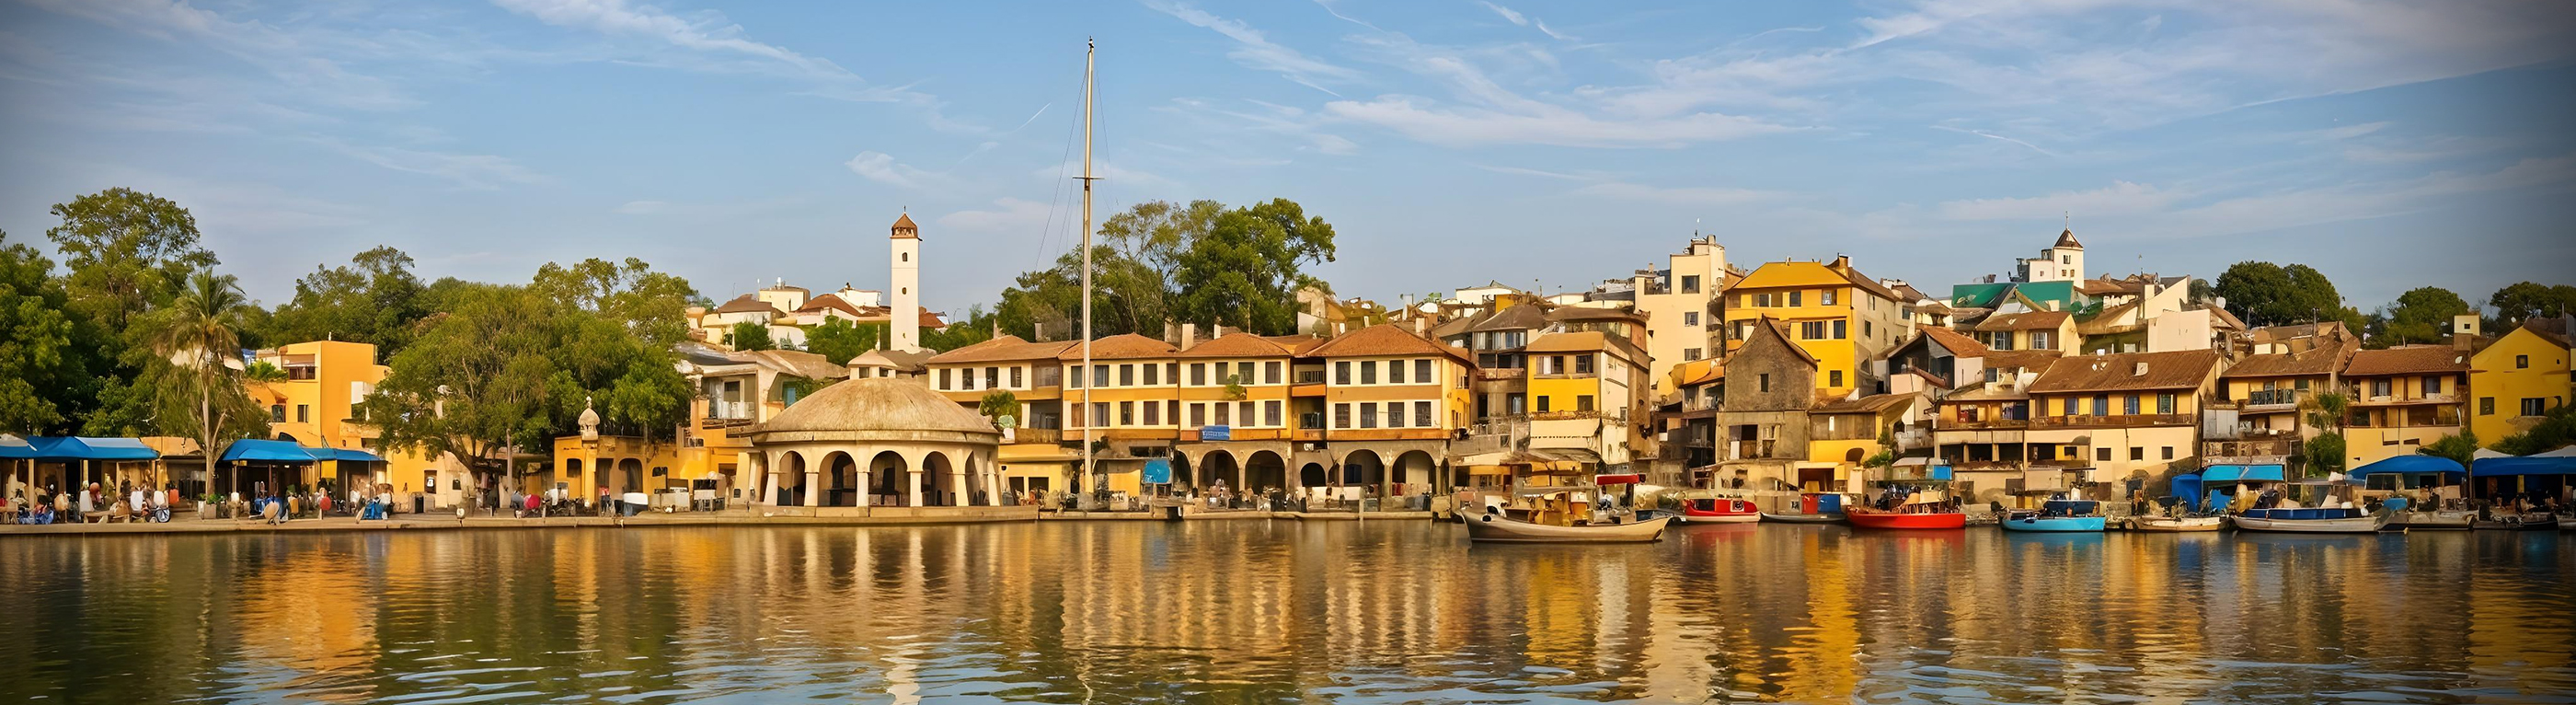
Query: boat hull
(1802, 518)
(2175, 526)
(2432, 521)
(1689, 518)
(1493, 528)
(2056, 524)
(1903, 520)
(2347, 525)
(2519, 522)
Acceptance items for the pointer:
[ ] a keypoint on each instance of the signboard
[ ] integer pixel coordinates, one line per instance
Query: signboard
(1158, 471)
(1216, 433)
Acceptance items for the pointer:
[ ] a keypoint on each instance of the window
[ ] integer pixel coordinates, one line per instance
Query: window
(2486, 406)
(1794, 297)
(1368, 372)
(303, 413)
(1126, 375)
(2101, 405)
(2065, 259)
(277, 413)
(1015, 377)
(1583, 364)
(992, 377)
(1099, 375)
(2522, 362)
(1270, 372)
(943, 378)
(1690, 283)
(2165, 405)
(1342, 372)
(2379, 387)
(2102, 455)
(1690, 318)
(2070, 407)
(1270, 412)
(1864, 329)
(1395, 414)
(1765, 381)
(1811, 330)
(1422, 372)
(1368, 416)
(1826, 297)
(1421, 414)
(1583, 402)
(1126, 413)
(2432, 385)
(1153, 375)
(2130, 405)
(1542, 403)
(1834, 378)
(2168, 452)
(1224, 414)
(1075, 378)
(1842, 329)
(1689, 354)
(2039, 340)
(1341, 416)
(1153, 414)
(1100, 413)
(1198, 414)
(2531, 406)
(2137, 453)
(1395, 372)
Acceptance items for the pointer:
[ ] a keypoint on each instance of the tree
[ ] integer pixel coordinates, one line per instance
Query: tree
(2557, 429)
(2265, 294)
(375, 300)
(998, 404)
(2461, 448)
(1247, 269)
(839, 340)
(263, 371)
(197, 335)
(2324, 453)
(976, 327)
(1886, 455)
(1160, 263)
(2422, 315)
(2522, 301)
(127, 251)
(749, 335)
(648, 303)
(43, 376)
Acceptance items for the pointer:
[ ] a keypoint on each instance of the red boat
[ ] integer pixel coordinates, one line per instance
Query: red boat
(1919, 516)
(1719, 510)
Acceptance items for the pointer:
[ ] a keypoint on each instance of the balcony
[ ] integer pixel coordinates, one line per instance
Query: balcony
(1494, 374)
(2274, 397)
(1755, 450)
(2118, 421)
(721, 414)
(1050, 377)
(1983, 424)
(2279, 446)
(1310, 420)
(2358, 399)
(1914, 439)
(1310, 377)
(1037, 435)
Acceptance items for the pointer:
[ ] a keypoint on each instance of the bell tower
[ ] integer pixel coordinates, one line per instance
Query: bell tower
(903, 315)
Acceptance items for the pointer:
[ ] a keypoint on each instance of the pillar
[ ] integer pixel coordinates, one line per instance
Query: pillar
(813, 485)
(912, 484)
(859, 495)
(749, 473)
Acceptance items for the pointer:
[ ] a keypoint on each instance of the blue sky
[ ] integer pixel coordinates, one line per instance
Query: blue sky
(1547, 144)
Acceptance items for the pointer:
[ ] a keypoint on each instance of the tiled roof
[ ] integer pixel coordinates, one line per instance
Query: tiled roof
(2316, 361)
(794, 362)
(829, 301)
(1716, 372)
(2035, 320)
(1571, 341)
(2180, 369)
(1960, 345)
(2022, 359)
(1869, 404)
(1591, 313)
(747, 304)
(1384, 339)
(1299, 344)
(1870, 285)
(1008, 347)
(2115, 319)
(2411, 359)
(1521, 317)
(1237, 345)
(1121, 347)
(2066, 238)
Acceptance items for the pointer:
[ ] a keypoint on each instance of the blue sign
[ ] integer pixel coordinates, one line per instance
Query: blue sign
(1216, 433)
(1158, 471)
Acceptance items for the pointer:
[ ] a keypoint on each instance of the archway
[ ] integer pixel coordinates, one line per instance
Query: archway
(840, 480)
(938, 476)
(887, 474)
(1364, 469)
(1265, 471)
(630, 475)
(1852, 456)
(1313, 475)
(1183, 479)
(790, 471)
(976, 489)
(287, 437)
(1414, 473)
(1219, 467)
(572, 479)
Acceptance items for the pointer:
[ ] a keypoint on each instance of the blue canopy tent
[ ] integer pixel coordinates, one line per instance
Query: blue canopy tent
(2186, 489)
(78, 457)
(271, 459)
(2228, 476)
(2411, 471)
(2501, 478)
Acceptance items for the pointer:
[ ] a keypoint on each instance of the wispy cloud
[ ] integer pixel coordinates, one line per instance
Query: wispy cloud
(471, 171)
(2121, 198)
(1996, 137)
(1507, 13)
(1008, 215)
(1680, 196)
(1255, 50)
(882, 168)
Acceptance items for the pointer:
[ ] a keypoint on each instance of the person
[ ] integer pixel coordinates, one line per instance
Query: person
(533, 507)
(85, 505)
(135, 498)
(161, 505)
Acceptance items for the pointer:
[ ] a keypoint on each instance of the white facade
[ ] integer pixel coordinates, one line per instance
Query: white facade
(905, 317)
(1675, 304)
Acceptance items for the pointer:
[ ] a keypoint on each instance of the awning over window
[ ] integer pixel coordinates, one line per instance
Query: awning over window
(2527, 465)
(2221, 474)
(258, 451)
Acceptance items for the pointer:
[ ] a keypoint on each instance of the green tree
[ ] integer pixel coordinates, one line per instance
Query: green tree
(1160, 262)
(473, 383)
(2265, 294)
(2557, 429)
(839, 340)
(749, 335)
(999, 403)
(43, 376)
(375, 299)
(196, 333)
(648, 303)
(975, 327)
(2421, 315)
(2461, 447)
(1247, 269)
(2522, 301)
(128, 252)
(263, 371)
(2324, 454)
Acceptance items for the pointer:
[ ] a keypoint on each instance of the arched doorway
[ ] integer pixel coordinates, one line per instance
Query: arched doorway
(1219, 468)
(572, 479)
(840, 480)
(976, 488)
(1313, 475)
(1414, 472)
(630, 475)
(887, 474)
(1264, 471)
(1364, 469)
(1852, 456)
(938, 478)
(790, 471)
(1183, 477)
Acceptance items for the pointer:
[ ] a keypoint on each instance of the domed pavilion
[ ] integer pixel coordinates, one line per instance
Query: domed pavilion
(872, 444)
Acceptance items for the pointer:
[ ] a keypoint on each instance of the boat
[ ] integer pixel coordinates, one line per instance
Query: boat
(1770, 518)
(2567, 522)
(1912, 516)
(2153, 524)
(2310, 520)
(1719, 510)
(1812, 508)
(2527, 521)
(2058, 515)
(2432, 519)
(1918, 491)
(1496, 527)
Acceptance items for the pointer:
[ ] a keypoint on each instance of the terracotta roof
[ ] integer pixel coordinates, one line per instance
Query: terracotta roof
(2180, 369)
(2035, 320)
(1591, 313)
(746, 303)
(2105, 287)
(1008, 347)
(2022, 359)
(2110, 321)
(2224, 319)
(1384, 339)
(1781, 328)
(1864, 405)
(1867, 284)
(1298, 344)
(2066, 238)
(871, 409)
(1121, 347)
(1453, 327)
(2274, 334)
(2410, 359)
(1571, 341)
(829, 301)
(2315, 361)
(1237, 345)
(1959, 344)
(1716, 373)
(1520, 317)
(903, 227)
(794, 362)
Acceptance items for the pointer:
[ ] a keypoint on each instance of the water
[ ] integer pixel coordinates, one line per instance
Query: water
(1278, 611)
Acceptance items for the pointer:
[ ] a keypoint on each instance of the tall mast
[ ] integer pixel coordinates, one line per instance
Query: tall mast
(1098, 483)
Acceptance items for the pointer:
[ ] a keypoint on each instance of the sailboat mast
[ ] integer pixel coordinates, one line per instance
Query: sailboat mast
(1100, 483)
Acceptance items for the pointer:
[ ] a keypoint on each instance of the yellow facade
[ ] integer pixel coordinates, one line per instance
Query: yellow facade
(621, 464)
(1835, 321)
(2520, 372)
(314, 407)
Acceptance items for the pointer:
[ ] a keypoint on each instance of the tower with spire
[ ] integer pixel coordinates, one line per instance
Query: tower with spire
(2061, 262)
(903, 316)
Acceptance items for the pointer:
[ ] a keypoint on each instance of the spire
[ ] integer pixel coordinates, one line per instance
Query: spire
(903, 227)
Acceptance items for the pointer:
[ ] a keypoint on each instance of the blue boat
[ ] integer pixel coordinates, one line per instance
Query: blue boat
(2058, 516)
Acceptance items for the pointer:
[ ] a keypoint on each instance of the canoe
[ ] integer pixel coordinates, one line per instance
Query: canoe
(2054, 524)
(1502, 529)
(1875, 519)
(2309, 521)
(2170, 525)
(1802, 518)
(2416, 520)
(1719, 510)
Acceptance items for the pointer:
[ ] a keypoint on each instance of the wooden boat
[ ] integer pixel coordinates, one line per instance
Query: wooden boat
(2529, 521)
(1926, 518)
(1768, 517)
(2175, 524)
(1719, 510)
(1498, 528)
(2432, 519)
(2058, 515)
(2329, 520)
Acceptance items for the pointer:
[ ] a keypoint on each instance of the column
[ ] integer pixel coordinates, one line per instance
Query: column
(914, 476)
(749, 473)
(860, 495)
(813, 485)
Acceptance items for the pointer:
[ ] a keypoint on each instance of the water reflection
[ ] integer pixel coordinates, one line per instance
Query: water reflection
(1258, 611)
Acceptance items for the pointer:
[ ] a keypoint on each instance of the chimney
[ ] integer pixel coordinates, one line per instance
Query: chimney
(1842, 262)
(2464, 331)
(1189, 335)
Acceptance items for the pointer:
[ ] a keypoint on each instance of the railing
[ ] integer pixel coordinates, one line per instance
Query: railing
(1746, 450)
(1914, 439)
(2273, 397)
(1620, 416)
(1498, 373)
(2268, 446)
(1037, 435)
(2359, 397)
(1311, 419)
(1050, 377)
(2123, 420)
(1983, 424)
(1310, 377)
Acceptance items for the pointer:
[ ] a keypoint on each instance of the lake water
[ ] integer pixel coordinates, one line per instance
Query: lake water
(1279, 611)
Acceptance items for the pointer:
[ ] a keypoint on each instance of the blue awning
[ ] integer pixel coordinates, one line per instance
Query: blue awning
(14, 448)
(2411, 465)
(2221, 474)
(87, 448)
(259, 451)
(348, 455)
(2531, 465)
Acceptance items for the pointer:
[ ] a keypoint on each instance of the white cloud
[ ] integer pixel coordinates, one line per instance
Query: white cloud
(1551, 125)
(1108, 173)
(708, 32)
(1008, 215)
(644, 208)
(473, 171)
(2118, 199)
(1507, 13)
(298, 61)
(1681, 196)
(882, 168)
(1256, 51)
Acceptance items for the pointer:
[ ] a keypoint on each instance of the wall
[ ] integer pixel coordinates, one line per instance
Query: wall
(1677, 318)
(2179, 330)
(2493, 376)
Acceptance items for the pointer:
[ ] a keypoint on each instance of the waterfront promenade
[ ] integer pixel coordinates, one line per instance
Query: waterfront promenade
(449, 521)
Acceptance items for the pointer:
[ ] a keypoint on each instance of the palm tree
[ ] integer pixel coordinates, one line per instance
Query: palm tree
(263, 371)
(197, 335)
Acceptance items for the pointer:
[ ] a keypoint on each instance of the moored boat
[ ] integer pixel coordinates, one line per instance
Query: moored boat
(2321, 520)
(1495, 527)
(1768, 517)
(2058, 515)
(2432, 519)
(1912, 516)
(1719, 510)
(2567, 522)
(2154, 524)
(1916, 495)
(2527, 521)
(1812, 508)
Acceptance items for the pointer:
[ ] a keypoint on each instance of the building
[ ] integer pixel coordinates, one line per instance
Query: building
(1129, 402)
(736, 393)
(881, 448)
(1675, 302)
(1589, 393)
(2059, 262)
(1689, 424)
(316, 407)
(1770, 383)
(2267, 394)
(2031, 330)
(1388, 403)
(1843, 434)
(1032, 457)
(1236, 425)
(1497, 338)
(2402, 398)
(1834, 313)
(2111, 422)
(2519, 377)
(905, 243)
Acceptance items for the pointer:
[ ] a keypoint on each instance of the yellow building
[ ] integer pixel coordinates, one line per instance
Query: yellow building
(736, 392)
(621, 464)
(2402, 398)
(2035, 330)
(2519, 377)
(315, 407)
(2269, 392)
(2108, 419)
(1844, 433)
(1833, 312)
(1127, 399)
(1387, 402)
(1237, 416)
(1589, 391)
(1032, 459)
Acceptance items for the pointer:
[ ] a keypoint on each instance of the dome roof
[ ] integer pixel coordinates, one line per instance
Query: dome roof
(875, 406)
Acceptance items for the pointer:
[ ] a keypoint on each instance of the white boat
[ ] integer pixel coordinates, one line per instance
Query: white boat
(2432, 519)
(1802, 518)
(1495, 527)
(2174, 524)
(2338, 520)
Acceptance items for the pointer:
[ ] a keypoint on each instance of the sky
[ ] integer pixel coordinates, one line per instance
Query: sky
(1547, 145)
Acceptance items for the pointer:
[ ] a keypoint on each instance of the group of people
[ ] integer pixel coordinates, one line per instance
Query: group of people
(92, 503)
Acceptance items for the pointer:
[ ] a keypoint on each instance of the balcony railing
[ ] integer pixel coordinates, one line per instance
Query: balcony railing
(2123, 420)
(1310, 377)
(1311, 419)
(1037, 435)
(1498, 373)
(2274, 397)
(728, 411)
(1983, 424)
(1050, 377)
(2288, 445)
